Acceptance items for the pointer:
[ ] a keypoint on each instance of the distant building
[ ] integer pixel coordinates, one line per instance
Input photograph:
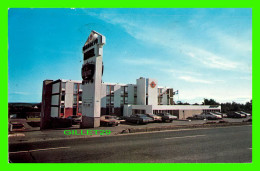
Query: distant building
(63, 98)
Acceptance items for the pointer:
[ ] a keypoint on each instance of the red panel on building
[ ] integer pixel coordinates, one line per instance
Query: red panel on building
(68, 112)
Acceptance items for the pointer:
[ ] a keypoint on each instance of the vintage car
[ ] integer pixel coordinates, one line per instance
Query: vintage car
(122, 119)
(167, 117)
(16, 126)
(246, 114)
(236, 115)
(214, 114)
(109, 120)
(139, 119)
(209, 116)
(155, 117)
(222, 114)
(76, 119)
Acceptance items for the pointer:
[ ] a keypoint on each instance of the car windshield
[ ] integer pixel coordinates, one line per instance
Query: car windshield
(110, 117)
(151, 114)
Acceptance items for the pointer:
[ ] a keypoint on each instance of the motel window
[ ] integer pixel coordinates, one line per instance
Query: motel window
(63, 84)
(126, 89)
(122, 90)
(75, 90)
(63, 96)
(108, 90)
(80, 86)
(112, 89)
(74, 110)
(80, 108)
(112, 99)
(135, 90)
(121, 100)
(74, 99)
(108, 100)
(80, 96)
(62, 109)
(126, 100)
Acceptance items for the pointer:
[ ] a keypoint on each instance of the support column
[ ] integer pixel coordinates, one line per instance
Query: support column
(92, 70)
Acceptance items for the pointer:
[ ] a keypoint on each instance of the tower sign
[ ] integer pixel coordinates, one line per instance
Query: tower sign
(91, 72)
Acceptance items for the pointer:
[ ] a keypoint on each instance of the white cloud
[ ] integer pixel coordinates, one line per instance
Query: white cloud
(145, 61)
(164, 38)
(234, 43)
(19, 92)
(195, 80)
(246, 78)
(210, 59)
(214, 52)
(180, 71)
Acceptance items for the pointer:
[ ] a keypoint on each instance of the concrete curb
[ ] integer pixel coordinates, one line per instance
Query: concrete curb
(16, 135)
(206, 125)
(130, 131)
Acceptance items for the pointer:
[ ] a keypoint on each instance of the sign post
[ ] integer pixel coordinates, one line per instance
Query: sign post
(92, 79)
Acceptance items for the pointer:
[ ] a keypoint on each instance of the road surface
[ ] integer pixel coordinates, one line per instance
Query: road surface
(211, 145)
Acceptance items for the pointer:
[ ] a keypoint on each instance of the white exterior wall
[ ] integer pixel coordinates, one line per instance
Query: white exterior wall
(183, 107)
(131, 93)
(117, 95)
(141, 91)
(127, 110)
(149, 108)
(68, 94)
(152, 92)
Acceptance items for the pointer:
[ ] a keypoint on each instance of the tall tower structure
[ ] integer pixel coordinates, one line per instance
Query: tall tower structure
(91, 72)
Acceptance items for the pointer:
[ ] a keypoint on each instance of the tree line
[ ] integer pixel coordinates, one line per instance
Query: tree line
(225, 107)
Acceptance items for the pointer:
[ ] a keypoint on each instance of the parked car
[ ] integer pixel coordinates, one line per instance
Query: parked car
(196, 117)
(167, 117)
(236, 115)
(155, 117)
(214, 114)
(209, 116)
(60, 122)
(75, 119)
(109, 120)
(242, 115)
(16, 126)
(122, 119)
(139, 119)
(247, 114)
(222, 114)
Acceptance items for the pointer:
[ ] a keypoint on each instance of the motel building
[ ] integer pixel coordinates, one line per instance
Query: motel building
(91, 98)
(63, 98)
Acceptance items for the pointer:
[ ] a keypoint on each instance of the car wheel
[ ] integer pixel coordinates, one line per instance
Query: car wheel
(137, 122)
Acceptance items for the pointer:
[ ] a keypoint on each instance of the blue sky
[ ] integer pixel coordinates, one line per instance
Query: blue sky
(203, 53)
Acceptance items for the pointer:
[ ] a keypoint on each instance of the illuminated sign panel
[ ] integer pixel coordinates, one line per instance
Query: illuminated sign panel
(90, 53)
(90, 44)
